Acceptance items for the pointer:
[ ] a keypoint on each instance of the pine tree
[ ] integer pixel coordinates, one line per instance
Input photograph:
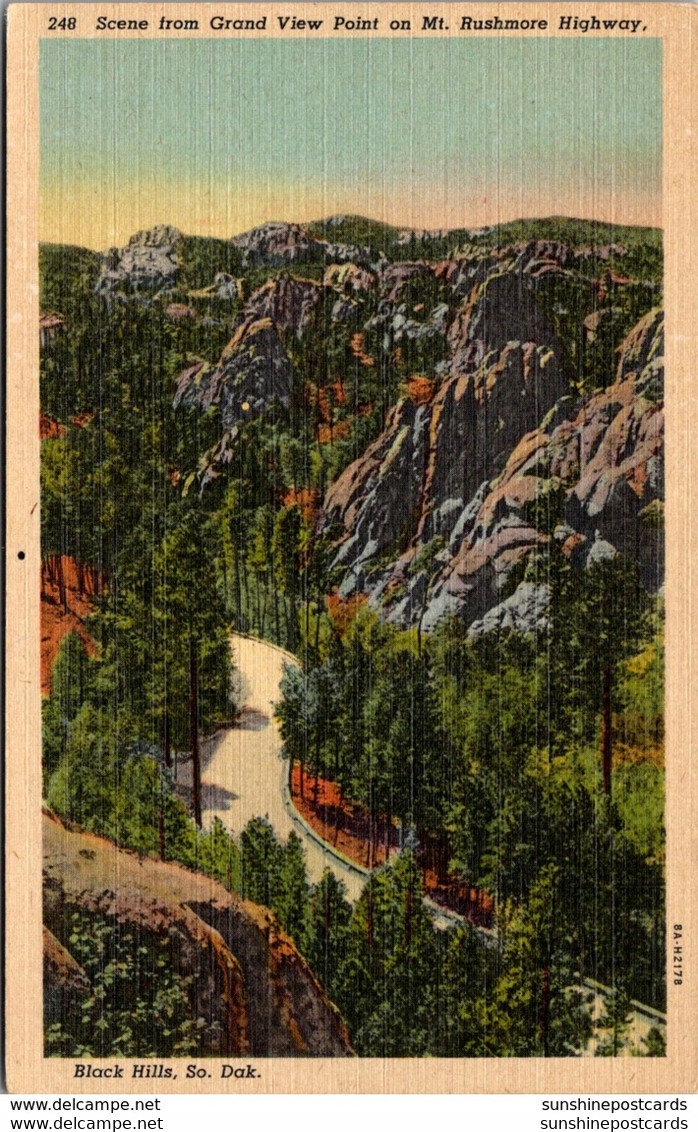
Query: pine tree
(387, 990)
(287, 545)
(328, 930)
(193, 658)
(533, 1009)
(260, 862)
(291, 899)
(615, 1024)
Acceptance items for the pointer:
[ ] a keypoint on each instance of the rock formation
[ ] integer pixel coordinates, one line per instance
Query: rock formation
(491, 450)
(505, 371)
(253, 374)
(288, 303)
(434, 516)
(149, 260)
(248, 987)
(275, 244)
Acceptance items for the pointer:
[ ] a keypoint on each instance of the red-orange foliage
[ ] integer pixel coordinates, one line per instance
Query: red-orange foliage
(356, 343)
(420, 389)
(308, 501)
(343, 610)
(50, 429)
(346, 826)
(67, 589)
(327, 433)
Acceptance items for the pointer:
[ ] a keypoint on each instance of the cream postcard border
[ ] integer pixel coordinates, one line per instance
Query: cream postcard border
(26, 1068)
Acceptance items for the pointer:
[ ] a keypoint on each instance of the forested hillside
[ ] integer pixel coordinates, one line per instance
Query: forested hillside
(430, 465)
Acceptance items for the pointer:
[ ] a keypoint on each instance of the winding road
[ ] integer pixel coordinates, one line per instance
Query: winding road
(243, 774)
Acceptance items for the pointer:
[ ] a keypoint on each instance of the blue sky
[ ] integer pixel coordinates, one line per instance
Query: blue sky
(217, 135)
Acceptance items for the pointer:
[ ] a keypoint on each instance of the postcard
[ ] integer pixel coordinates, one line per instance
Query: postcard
(351, 728)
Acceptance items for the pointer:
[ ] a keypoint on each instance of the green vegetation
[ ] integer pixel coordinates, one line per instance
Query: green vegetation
(496, 753)
(529, 767)
(359, 232)
(644, 245)
(406, 989)
(100, 774)
(66, 277)
(576, 233)
(137, 1004)
(203, 258)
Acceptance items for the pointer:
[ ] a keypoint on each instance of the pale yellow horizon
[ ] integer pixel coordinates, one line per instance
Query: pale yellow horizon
(98, 220)
(218, 137)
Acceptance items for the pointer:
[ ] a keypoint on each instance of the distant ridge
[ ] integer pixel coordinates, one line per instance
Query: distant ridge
(362, 231)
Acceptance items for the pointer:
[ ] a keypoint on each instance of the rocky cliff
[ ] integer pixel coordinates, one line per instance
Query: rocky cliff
(253, 373)
(149, 260)
(492, 390)
(277, 243)
(231, 973)
(455, 493)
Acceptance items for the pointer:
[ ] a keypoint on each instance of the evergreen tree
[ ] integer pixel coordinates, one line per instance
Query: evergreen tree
(533, 1008)
(84, 784)
(328, 930)
(219, 856)
(193, 659)
(72, 679)
(297, 715)
(261, 859)
(615, 1024)
(292, 897)
(387, 989)
(287, 546)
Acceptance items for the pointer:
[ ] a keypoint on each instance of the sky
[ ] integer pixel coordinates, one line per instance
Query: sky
(216, 136)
